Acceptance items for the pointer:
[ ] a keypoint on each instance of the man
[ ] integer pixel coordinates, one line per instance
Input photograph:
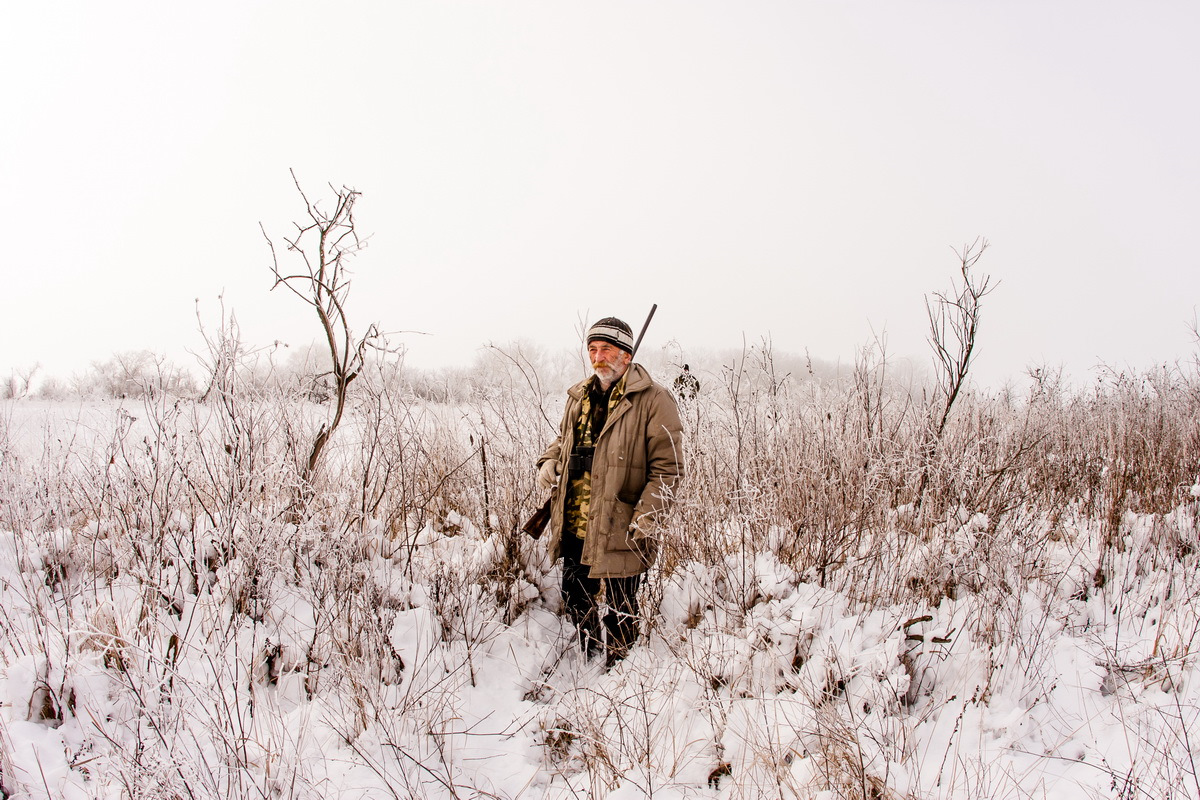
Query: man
(612, 470)
(687, 385)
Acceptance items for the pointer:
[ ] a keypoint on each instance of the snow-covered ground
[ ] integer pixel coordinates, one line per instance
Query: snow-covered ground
(154, 644)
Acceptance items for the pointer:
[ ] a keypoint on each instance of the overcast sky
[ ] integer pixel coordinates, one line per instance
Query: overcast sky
(797, 170)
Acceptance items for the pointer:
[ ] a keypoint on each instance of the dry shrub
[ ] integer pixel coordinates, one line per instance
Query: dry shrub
(169, 530)
(829, 475)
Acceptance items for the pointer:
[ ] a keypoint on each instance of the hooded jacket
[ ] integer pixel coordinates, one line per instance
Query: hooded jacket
(636, 464)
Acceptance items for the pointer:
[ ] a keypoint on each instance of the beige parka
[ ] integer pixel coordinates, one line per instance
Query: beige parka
(636, 465)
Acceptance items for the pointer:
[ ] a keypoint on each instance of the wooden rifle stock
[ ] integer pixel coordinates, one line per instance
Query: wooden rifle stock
(537, 523)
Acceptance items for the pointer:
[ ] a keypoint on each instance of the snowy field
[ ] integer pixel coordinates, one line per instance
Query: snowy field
(846, 607)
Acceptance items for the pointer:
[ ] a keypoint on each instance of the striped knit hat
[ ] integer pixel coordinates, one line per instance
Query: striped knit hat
(613, 331)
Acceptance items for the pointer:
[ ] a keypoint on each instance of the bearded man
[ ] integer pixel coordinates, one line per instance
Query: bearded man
(612, 470)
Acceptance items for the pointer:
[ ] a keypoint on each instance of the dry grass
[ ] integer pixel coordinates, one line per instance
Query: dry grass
(160, 548)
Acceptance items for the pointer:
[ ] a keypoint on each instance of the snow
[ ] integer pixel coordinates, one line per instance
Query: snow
(769, 686)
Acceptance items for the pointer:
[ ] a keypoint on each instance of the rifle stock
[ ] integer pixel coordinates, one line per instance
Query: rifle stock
(536, 524)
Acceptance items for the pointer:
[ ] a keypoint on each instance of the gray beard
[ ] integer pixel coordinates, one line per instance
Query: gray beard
(607, 382)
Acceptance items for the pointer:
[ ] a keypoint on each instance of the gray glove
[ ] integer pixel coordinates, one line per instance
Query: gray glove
(547, 477)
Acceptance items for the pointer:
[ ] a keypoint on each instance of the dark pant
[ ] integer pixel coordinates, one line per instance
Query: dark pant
(580, 595)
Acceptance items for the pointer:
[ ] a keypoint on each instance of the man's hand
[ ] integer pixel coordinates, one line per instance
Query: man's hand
(548, 474)
(645, 546)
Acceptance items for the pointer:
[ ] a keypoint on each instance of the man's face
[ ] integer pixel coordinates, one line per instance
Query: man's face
(608, 360)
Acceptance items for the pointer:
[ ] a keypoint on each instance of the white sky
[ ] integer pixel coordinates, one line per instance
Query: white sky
(797, 170)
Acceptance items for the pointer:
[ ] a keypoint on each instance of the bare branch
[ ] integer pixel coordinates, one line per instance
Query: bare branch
(953, 334)
(324, 246)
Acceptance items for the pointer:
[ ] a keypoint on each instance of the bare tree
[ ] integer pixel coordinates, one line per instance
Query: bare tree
(953, 327)
(126, 373)
(19, 383)
(137, 373)
(953, 330)
(324, 243)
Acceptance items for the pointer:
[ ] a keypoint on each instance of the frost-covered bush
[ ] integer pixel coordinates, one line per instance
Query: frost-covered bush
(839, 611)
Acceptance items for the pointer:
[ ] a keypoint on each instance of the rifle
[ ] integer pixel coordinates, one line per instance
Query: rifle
(536, 524)
(540, 519)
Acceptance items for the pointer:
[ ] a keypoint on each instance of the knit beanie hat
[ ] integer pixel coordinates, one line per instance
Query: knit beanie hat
(613, 331)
